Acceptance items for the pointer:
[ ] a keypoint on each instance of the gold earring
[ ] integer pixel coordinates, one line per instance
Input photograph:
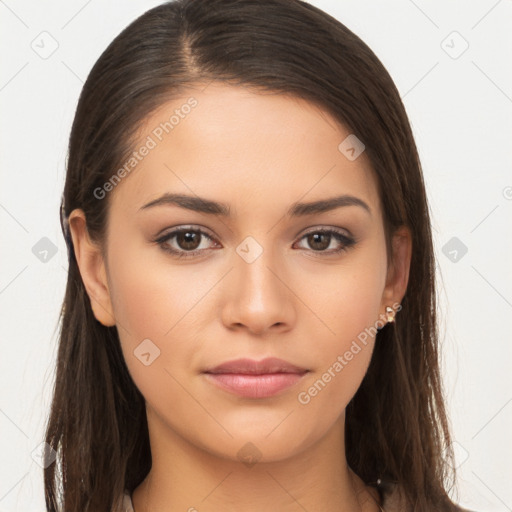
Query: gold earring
(390, 312)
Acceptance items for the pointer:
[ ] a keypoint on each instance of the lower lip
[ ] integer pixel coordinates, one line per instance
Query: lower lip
(254, 386)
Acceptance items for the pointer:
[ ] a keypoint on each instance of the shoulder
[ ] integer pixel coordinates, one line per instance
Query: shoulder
(393, 499)
(392, 496)
(127, 505)
(127, 502)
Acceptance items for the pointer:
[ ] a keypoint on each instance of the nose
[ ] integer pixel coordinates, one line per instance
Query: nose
(259, 297)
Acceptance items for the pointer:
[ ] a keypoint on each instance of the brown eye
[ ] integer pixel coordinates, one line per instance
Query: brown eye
(188, 240)
(321, 239)
(185, 242)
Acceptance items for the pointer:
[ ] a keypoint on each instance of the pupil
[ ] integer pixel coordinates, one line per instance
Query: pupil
(315, 242)
(187, 238)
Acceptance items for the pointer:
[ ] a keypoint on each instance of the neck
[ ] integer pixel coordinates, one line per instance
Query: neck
(185, 477)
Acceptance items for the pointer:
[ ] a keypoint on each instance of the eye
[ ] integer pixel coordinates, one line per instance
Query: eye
(322, 239)
(185, 242)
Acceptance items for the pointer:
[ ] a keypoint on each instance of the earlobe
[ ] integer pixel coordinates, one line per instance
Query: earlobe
(92, 268)
(398, 268)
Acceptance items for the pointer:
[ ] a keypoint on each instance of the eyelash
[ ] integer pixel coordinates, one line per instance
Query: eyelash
(347, 241)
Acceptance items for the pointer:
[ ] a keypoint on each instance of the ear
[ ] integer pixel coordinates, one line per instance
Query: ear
(92, 268)
(398, 270)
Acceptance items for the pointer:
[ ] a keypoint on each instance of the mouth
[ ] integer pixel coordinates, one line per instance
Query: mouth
(255, 379)
(266, 366)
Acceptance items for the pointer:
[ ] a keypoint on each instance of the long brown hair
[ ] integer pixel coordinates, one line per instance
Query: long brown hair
(396, 424)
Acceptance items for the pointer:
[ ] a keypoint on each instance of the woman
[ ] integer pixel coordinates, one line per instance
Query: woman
(250, 314)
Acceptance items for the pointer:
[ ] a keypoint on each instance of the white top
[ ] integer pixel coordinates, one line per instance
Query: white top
(392, 502)
(127, 503)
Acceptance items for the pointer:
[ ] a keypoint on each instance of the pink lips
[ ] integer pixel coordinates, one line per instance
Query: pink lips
(255, 379)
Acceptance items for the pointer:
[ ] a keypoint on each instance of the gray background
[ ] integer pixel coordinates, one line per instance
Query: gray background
(451, 62)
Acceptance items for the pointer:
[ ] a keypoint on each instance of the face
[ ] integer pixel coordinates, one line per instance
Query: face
(254, 273)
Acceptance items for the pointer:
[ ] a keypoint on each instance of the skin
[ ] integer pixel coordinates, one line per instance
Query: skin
(259, 154)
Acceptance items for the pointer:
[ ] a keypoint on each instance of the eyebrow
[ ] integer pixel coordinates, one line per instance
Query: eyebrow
(203, 205)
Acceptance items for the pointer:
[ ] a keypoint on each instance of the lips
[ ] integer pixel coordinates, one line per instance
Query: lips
(251, 367)
(255, 379)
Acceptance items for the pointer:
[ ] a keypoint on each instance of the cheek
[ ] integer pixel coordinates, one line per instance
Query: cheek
(151, 296)
(342, 361)
(161, 309)
(347, 300)
(322, 400)
(151, 303)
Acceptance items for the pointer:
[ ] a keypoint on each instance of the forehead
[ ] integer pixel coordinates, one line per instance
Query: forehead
(252, 150)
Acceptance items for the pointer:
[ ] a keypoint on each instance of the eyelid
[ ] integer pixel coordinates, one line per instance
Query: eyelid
(182, 227)
(347, 239)
(343, 237)
(315, 229)
(169, 233)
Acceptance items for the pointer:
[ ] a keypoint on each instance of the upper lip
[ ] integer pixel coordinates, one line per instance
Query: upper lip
(252, 367)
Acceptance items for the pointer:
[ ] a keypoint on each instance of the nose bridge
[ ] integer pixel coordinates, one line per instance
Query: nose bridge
(259, 299)
(259, 284)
